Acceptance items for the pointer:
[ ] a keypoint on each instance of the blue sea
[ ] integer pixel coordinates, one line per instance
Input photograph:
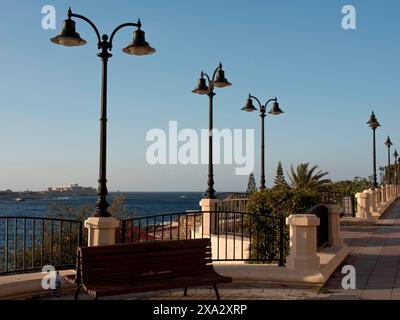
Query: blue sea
(136, 203)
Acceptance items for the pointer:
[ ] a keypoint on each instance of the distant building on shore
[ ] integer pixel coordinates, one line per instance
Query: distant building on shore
(72, 188)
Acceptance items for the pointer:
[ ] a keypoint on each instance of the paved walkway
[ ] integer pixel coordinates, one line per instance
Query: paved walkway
(375, 253)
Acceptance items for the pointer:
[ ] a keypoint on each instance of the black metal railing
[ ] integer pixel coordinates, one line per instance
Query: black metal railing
(29, 243)
(232, 202)
(346, 201)
(235, 236)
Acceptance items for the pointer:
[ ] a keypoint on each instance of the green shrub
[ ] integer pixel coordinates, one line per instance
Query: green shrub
(273, 205)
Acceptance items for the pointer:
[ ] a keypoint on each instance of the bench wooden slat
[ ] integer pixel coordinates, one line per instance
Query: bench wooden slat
(100, 290)
(151, 266)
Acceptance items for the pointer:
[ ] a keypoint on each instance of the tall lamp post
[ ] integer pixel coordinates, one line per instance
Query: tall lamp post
(206, 85)
(374, 124)
(70, 38)
(389, 143)
(396, 156)
(249, 107)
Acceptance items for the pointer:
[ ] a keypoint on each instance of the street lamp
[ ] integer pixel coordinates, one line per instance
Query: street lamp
(396, 156)
(389, 143)
(374, 124)
(70, 38)
(206, 86)
(249, 107)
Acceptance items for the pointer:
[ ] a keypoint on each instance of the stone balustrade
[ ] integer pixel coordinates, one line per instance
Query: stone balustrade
(373, 203)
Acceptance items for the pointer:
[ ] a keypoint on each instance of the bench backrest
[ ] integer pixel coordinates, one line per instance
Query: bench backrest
(144, 261)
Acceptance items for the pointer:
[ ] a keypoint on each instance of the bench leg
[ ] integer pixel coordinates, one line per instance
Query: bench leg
(185, 292)
(216, 292)
(77, 292)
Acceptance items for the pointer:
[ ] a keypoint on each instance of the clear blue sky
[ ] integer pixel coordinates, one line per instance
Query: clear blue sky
(328, 80)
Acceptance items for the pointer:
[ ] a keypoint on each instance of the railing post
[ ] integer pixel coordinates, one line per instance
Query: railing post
(281, 241)
(123, 231)
(353, 206)
(80, 235)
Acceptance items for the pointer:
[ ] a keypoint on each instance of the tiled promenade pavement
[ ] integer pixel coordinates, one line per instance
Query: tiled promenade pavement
(375, 253)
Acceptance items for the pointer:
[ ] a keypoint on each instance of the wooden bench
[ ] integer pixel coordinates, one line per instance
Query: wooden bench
(140, 267)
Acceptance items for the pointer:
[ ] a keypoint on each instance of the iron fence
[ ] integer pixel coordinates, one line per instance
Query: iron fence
(232, 202)
(346, 201)
(235, 236)
(29, 243)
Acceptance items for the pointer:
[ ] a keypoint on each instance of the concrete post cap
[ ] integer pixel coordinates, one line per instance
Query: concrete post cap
(305, 220)
(101, 223)
(208, 202)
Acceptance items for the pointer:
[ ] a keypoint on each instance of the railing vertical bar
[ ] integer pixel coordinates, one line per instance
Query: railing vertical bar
(170, 227)
(147, 229)
(69, 242)
(250, 237)
(179, 226)
(33, 242)
(51, 241)
(217, 216)
(162, 228)
(42, 244)
(273, 235)
(123, 230)
(281, 242)
(194, 227)
(242, 235)
(154, 228)
(80, 236)
(15, 243)
(6, 249)
(61, 244)
(234, 236)
(226, 236)
(133, 229)
(24, 247)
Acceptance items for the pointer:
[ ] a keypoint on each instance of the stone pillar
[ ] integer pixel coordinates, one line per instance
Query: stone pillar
(303, 242)
(388, 193)
(208, 206)
(372, 200)
(363, 205)
(335, 238)
(383, 195)
(101, 231)
(378, 198)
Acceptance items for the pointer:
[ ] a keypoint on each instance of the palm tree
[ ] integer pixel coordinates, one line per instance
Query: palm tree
(306, 178)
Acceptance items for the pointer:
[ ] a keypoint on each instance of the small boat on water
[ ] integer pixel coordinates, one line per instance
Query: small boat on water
(19, 200)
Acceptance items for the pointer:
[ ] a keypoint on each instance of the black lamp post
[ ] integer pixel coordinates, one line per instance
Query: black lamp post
(249, 107)
(374, 124)
(207, 87)
(389, 143)
(70, 38)
(396, 156)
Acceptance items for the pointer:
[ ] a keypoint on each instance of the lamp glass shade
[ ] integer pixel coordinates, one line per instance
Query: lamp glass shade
(139, 46)
(220, 80)
(68, 35)
(202, 87)
(249, 106)
(276, 110)
(388, 142)
(373, 122)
